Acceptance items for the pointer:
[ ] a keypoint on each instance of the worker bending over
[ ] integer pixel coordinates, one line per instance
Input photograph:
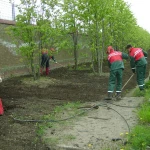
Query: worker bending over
(138, 64)
(116, 65)
(46, 56)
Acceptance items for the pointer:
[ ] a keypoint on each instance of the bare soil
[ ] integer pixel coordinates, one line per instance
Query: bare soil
(24, 100)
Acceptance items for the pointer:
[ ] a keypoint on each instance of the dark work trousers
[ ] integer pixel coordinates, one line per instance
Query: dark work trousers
(115, 78)
(45, 61)
(141, 71)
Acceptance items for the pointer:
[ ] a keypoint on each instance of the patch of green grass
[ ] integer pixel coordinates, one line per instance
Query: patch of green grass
(139, 138)
(79, 67)
(69, 137)
(83, 67)
(147, 95)
(72, 105)
(138, 93)
(106, 149)
(55, 119)
(147, 84)
(61, 117)
(53, 141)
(144, 113)
(41, 129)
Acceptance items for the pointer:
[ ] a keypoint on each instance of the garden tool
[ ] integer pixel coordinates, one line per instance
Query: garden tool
(127, 81)
(0, 79)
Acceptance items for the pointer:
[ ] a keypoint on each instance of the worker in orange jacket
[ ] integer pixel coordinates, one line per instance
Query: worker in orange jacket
(138, 64)
(116, 65)
(46, 56)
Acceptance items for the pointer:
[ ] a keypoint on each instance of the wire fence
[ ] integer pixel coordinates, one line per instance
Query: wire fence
(8, 10)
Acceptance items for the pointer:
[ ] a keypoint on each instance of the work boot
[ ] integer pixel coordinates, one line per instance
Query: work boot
(47, 71)
(110, 94)
(118, 96)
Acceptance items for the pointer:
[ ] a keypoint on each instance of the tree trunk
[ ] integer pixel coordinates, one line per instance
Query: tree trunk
(97, 45)
(103, 46)
(93, 63)
(75, 41)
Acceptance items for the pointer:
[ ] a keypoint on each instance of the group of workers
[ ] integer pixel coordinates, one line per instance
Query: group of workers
(115, 60)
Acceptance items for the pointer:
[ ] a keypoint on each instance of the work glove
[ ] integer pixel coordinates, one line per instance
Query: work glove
(0, 79)
(133, 70)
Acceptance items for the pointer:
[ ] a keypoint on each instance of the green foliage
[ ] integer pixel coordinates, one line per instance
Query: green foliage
(69, 109)
(41, 130)
(144, 113)
(70, 137)
(82, 67)
(61, 24)
(138, 93)
(53, 141)
(139, 138)
(64, 113)
(147, 85)
(147, 95)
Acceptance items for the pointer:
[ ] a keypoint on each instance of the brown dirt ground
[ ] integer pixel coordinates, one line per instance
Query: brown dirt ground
(32, 101)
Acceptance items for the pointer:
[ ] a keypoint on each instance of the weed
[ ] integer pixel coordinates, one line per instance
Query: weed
(69, 137)
(41, 129)
(79, 67)
(59, 114)
(70, 67)
(147, 85)
(138, 93)
(147, 95)
(53, 141)
(144, 113)
(83, 67)
(139, 138)
(12, 76)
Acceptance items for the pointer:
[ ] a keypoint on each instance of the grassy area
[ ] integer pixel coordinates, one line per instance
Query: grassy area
(139, 138)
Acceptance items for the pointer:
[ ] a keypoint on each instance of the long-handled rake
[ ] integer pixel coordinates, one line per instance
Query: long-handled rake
(127, 81)
(125, 84)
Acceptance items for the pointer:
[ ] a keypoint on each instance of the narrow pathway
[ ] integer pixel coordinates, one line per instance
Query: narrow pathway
(99, 127)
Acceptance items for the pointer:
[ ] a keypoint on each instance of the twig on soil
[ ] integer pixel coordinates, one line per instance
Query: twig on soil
(99, 118)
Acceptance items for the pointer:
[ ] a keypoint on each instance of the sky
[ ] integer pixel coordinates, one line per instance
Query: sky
(140, 9)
